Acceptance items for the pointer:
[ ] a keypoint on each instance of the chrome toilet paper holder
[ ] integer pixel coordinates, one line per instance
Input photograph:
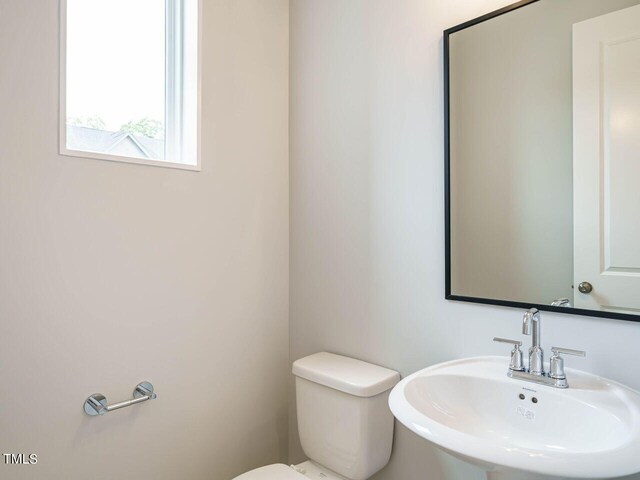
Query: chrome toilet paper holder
(96, 404)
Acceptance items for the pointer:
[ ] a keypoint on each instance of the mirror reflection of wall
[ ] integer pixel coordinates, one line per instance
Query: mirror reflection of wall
(511, 152)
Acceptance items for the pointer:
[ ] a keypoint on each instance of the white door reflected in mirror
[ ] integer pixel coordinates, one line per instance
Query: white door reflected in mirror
(606, 122)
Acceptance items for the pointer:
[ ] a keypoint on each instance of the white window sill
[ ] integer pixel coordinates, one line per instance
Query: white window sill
(139, 161)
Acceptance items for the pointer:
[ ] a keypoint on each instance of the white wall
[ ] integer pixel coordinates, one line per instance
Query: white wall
(367, 241)
(113, 273)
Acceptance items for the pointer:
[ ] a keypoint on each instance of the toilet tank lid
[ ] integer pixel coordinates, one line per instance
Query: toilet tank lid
(345, 374)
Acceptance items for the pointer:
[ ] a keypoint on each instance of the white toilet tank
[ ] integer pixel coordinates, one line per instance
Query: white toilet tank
(344, 419)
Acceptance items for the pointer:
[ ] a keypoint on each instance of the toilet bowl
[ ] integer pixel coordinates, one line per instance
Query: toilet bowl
(344, 422)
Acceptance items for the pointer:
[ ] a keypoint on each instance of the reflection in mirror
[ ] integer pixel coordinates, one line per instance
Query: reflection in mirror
(544, 157)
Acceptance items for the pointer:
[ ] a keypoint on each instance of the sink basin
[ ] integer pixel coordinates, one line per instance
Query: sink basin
(518, 429)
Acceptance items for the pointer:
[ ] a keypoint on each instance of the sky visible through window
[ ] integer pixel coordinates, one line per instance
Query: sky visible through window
(116, 63)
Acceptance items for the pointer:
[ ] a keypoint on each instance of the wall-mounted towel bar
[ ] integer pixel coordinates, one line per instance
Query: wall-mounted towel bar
(96, 404)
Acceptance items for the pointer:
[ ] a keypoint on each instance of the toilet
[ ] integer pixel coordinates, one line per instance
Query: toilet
(344, 422)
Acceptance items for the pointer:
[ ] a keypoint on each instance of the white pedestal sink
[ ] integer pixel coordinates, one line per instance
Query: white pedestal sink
(519, 430)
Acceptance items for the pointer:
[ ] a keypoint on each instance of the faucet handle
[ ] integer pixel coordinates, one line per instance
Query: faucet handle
(568, 351)
(515, 343)
(516, 363)
(556, 364)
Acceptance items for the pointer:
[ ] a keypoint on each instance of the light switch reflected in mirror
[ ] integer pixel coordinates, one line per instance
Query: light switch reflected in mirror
(543, 157)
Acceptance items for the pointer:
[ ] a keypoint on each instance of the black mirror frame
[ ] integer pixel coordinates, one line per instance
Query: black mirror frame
(447, 192)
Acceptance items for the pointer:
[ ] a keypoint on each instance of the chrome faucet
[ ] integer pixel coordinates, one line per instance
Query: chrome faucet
(531, 326)
(561, 302)
(535, 373)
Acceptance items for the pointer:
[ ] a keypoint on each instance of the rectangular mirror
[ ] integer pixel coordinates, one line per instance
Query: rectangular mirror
(542, 147)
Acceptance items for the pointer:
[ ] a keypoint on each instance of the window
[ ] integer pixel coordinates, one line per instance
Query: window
(129, 81)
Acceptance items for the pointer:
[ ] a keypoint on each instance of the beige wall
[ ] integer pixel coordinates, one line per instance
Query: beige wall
(113, 273)
(367, 216)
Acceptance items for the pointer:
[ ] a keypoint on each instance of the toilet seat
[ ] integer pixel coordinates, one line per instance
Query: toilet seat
(277, 471)
(308, 470)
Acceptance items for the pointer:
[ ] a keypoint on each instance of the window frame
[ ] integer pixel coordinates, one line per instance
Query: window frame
(173, 67)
